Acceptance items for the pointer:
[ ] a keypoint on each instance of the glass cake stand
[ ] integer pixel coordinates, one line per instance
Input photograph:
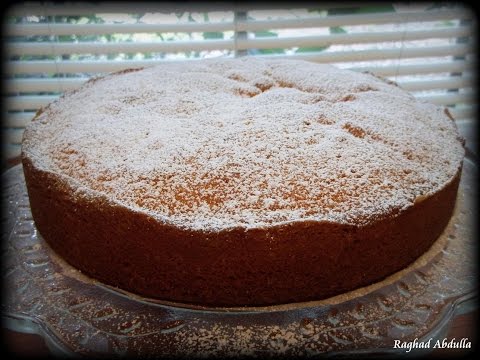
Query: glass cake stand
(78, 315)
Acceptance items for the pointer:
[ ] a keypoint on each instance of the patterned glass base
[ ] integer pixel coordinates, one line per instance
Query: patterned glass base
(76, 314)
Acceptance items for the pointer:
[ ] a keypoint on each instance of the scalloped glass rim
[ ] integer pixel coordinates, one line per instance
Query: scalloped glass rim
(436, 290)
(30, 325)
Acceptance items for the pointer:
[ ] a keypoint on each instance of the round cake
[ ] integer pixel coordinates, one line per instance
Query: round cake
(241, 182)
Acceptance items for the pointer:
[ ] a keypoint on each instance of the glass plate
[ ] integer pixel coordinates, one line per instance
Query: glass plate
(78, 315)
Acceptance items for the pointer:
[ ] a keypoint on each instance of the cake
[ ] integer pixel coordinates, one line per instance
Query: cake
(241, 182)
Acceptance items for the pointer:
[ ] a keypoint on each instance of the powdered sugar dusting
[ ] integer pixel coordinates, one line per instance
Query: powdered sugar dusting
(217, 144)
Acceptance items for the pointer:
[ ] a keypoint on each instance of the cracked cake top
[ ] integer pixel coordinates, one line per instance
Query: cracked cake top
(216, 144)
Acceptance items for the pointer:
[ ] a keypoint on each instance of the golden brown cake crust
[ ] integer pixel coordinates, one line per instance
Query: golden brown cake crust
(241, 182)
(293, 262)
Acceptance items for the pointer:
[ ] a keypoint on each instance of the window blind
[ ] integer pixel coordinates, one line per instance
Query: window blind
(52, 48)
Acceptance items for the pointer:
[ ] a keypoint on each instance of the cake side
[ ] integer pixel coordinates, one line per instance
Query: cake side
(293, 262)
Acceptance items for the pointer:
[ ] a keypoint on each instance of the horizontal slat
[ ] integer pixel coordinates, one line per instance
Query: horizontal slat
(60, 85)
(27, 102)
(10, 151)
(243, 25)
(74, 66)
(464, 112)
(450, 98)
(13, 136)
(356, 19)
(418, 69)
(352, 38)
(467, 129)
(40, 85)
(379, 54)
(451, 82)
(99, 66)
(102, 29)
(17, 120)
(53, 48)
(88, 8)
(466, 124)
(79, 9)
